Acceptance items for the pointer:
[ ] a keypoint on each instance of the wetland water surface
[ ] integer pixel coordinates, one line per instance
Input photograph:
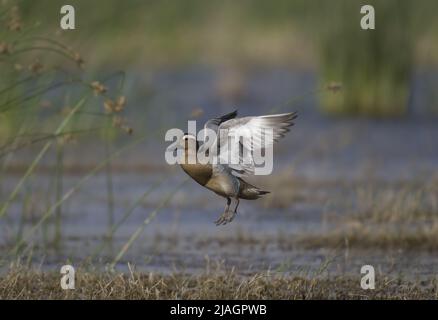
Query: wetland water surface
(332, 179)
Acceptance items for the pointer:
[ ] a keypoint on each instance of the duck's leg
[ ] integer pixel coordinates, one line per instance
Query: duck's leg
(228, 204)
(232, 214)
(225, 216)
(237, 205)
(228, 215)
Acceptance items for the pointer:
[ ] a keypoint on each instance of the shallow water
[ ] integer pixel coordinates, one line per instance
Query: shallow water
(318, 168)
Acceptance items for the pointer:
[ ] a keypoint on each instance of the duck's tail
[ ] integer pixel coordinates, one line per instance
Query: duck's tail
(250, 192)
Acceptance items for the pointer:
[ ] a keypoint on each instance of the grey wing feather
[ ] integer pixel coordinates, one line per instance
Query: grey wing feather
(252, 129)
(214, 123)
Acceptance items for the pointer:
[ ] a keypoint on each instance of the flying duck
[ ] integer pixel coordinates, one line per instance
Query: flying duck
(226, 179)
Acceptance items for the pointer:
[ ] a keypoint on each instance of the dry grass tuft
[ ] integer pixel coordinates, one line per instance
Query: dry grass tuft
(407, 205)
(359, 235)
(390, 218)
(36, 285)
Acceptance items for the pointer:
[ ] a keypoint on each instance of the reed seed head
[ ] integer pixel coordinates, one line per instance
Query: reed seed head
(5, 48)
(334, 86)
(98, 88)
(14, 23)
(36, 67)
(78, 59)
(115, 106)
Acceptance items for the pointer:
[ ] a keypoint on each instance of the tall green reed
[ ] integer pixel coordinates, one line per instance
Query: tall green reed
(26, 240)
(373, 66)
(27, 118)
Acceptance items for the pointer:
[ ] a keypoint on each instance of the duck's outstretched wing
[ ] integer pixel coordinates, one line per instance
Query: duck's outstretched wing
(254, 134)
(214, 123)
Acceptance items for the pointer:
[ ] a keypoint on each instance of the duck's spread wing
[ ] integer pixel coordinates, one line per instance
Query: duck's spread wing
(211, 128)
(214, 123)
(240, 138)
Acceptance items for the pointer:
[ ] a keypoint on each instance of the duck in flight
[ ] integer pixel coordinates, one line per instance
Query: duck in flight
(225, 179)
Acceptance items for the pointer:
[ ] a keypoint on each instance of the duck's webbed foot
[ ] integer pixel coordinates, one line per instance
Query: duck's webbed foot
(228, 214)
(226, 217)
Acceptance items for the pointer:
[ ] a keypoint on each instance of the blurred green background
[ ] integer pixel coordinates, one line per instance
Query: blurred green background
(373, 67)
